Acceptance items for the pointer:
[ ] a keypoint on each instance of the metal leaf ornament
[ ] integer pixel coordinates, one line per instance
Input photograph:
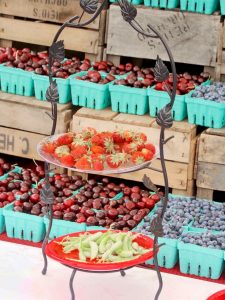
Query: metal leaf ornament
(89, 6)
(149, 184)
(128, 10)
(160, 71)
(164, 117)
(156, 226)
(46, 194)
(57, 51)
(52, 94)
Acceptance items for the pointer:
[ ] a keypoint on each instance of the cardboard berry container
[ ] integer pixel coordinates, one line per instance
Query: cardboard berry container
(162, 3)
(129, 100)
(89, 94)
(205, 112)
(41, 84)
(201, 261)
(16, 81)
(200, 6)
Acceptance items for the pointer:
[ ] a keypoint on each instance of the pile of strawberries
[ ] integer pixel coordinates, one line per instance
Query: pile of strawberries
(92, 150)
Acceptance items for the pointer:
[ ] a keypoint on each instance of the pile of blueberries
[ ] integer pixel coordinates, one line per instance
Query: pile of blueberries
(184, 211)
(214, 92)
(205, 239)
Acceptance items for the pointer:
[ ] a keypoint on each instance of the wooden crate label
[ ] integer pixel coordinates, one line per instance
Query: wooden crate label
(49, 10)
(19, 143)
(179, 30)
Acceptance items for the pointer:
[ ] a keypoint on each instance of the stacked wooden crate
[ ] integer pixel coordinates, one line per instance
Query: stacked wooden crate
(179, 159)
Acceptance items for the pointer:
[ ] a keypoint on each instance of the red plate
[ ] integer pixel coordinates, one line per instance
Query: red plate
(54, 251)
(218, 296)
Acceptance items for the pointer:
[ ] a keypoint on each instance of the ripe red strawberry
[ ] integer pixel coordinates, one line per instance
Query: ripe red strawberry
(109, 145)
(114, 160)
(98, 165)
(130, 148)
(62, 151)
(83, 164)
(150, 147)
(141, 137)
(49, 147)
(88, 132)
(65, 139)
(138, 158)
(79, 151)
(67, 160)
(147, 154)
(97, 149)
(118, 137)
(129, 136)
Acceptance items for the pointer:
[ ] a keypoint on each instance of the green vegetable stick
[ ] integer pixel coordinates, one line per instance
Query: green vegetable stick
(94, 250)
(111, 250)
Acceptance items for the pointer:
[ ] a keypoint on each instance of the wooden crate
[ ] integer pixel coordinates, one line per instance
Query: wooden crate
(179, 152)
(210, 163)
(193, 38)
(36, 23)
(29, 114)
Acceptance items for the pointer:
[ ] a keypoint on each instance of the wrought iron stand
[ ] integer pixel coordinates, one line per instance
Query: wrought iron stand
(164, 118)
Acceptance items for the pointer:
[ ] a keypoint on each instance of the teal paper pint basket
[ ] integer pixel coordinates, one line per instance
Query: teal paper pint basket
(222, 7)
(135, 2)
(201, 261)
(162, 3)
(89, 94)
(23, 226)
(41, 84)
(16, 81)
(205, 112)
(200, 6)
(129, 100)
(158, 99)
(168, 253)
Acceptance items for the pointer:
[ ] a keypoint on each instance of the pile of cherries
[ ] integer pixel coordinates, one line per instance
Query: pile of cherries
(96, 77)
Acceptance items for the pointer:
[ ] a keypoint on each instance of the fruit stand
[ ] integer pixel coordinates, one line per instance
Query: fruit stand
(122, 164)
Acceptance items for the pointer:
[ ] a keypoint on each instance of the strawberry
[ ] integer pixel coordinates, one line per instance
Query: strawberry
(65, 139)
(79, 151)
(62, 151)
(67, 160)
(130, 148)
(118, 137)
(147, 154)
(138, 158)
(150, 147)
(114, 160)
(109, 145)
(98, 165)
(97, 149)
(128, 136)
(83, 163)
(49, 147)
(88, 132)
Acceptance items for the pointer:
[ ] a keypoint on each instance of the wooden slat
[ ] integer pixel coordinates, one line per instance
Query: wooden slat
(182, 31)
(84, 40)
(144, 121)
(53, 11)
(177, 173)
(105, 114)
(204, 194)
(211, 176)
(30, 114)
(19, 143)
(172, 151)
(190, 191)
(216, 131)
(183, 126)
(211, 149)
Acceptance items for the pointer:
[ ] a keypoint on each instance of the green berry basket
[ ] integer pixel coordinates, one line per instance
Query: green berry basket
(129, 100)
(200, 6)
(135, 2)
(205, 112)
(16, 81)
(23, 226)
(89, 94)
(201, 261)
(41, 84)
(158, 99)
(162, 3)
(222, 7)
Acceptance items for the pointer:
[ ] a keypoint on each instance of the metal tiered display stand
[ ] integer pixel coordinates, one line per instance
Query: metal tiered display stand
(164, 120)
